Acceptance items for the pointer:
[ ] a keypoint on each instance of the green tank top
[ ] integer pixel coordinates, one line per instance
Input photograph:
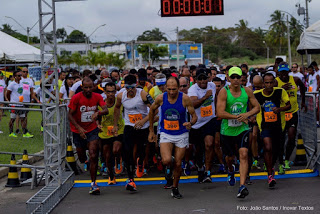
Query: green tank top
(235, 106)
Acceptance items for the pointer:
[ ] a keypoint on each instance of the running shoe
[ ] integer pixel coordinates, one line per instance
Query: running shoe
(27, 135)
(168, 173)
(183, 164)
(41, 129)
(118, 168)
(13, 134)
(17, 131)
(94, 190)
(264, 167)
(207, 177)
(286, 164)
(154, 159)
(139, 170)
(200, 175)
(231, 179)
(248, 181)
(221, 168)
(243, 192)
(187, 170)
(131, 185)
(113, 181)
(86, 166)
(192, 165)
(169, 184)
(281, 170)
(175, 193)
(145, 172)
(271, 181)
(255, 165)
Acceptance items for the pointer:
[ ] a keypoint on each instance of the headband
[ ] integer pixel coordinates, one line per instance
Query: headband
(161, 81)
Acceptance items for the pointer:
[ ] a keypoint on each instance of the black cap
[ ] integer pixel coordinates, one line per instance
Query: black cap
(142, 74)
(201, 72)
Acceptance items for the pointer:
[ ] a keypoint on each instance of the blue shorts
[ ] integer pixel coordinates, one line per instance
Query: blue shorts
(79, 142)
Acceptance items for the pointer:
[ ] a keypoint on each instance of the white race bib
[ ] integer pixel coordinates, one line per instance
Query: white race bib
(234, 123)
(86, 117)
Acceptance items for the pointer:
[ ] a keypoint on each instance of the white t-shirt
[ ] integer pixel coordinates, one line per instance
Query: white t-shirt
(298, 74)
(312, 82)
(206, 111)
(16, 91)
(27, 85)
(2, 87)
(63, 91)
(76, 86)
(39, 94)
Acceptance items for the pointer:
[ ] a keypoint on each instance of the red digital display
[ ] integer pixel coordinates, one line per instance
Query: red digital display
(170, 8)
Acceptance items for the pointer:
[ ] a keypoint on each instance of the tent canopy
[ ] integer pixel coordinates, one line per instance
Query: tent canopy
(15, 50)
(310, 40)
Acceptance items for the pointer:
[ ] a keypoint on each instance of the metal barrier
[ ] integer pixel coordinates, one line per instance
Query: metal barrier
(307, 127)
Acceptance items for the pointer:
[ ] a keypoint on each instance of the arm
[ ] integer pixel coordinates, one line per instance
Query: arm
(255, 106)
(73, 121)
(189, 105)
(153, 109)
(33, 95)
(318, 82)
(198, 102)
(302, 92)
(8, 95)
(147, 99)
(221, 106)
(116, 114)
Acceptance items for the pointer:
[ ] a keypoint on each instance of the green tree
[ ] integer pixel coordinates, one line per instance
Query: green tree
(153, 35)
(155, 51)
(6, 28)
(76, 36)
(78, 59)
(277, 28)
(117, 60)
(61, 33)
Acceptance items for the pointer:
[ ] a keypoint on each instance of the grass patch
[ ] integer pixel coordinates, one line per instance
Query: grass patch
(10, 144)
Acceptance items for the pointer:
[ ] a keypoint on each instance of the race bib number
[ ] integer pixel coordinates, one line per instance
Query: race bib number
(86, 117)
(234, 123)
(288, 116)
(110, 130)
(206, 111)
(133, 118)
(26, 87)
(270, 117)
(1, 89)
(310, 89)
(171, 125)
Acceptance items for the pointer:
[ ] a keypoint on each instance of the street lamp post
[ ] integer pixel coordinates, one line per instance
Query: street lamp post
(264, 42)
(28, 28)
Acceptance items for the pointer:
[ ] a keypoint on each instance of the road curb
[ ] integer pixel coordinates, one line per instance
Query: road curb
(4, 170)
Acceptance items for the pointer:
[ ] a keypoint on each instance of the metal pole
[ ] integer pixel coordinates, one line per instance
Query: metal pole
(268, 55)
(178, 51)
(132, 52)
(28, 34)
(307, 14)
(289, 43)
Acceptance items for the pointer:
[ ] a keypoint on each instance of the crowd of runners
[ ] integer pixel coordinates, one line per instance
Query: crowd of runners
(177, 120)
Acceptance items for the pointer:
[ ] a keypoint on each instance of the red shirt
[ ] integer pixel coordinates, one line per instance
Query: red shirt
(84, 108)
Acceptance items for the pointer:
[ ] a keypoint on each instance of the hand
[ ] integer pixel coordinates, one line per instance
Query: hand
(252, 119)
(95, 116)
(287, 86)
(187, 125)
(276, 110)
(152, 137)
(138, 124)
(303, 106)
(242, 118)
(208, 94)
(115, 131)
(82, 132)
(100, 126)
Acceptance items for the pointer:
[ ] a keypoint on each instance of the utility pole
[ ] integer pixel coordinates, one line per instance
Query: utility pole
(178, 51)
(289, 43)
(307, 13)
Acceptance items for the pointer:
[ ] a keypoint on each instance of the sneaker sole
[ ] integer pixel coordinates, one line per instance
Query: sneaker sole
(207, 180)
(131, 188)
(272, 184)
(243, 193)
(176, 197)
(95, 192)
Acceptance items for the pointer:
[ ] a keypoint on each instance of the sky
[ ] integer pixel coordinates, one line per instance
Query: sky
(126, 19)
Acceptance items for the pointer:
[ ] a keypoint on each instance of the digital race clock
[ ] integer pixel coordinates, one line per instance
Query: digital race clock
(171, 8)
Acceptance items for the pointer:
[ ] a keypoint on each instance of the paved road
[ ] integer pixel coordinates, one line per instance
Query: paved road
(198, 198)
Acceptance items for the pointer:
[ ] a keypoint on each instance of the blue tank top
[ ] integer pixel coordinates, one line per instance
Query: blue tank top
(173, 116)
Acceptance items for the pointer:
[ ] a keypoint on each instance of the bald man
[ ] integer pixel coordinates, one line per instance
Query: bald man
(257, 83)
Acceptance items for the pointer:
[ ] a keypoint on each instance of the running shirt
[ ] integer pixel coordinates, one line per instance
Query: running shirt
(154, 92)
(134, 109)
(84, 109)
(292, 93)
(207, 110)
(235, 106)
(107, 123)
(2, 87)
(76, 86)
(312, 82)
(27, 85)
(298, 74)
(39, 94)
(63, 91)
(266, 119)
(16, 92)
(173, 116)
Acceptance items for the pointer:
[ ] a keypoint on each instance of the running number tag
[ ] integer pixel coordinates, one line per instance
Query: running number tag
(1, 89)
(171, 125)
(26, 87)
(310, 89)
(288, 116)
(86, 117)
(234, 123)
(110, 130)
(133, 118)
(270, 117)
(206, 111)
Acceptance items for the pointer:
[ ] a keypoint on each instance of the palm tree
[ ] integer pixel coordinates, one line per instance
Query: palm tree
(78, 59)
(278, 27)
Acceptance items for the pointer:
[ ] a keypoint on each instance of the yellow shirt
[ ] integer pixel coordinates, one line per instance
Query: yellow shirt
(292, 93)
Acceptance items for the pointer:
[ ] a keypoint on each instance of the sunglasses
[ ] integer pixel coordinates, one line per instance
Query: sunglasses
(294, 67)
(109, 92)
(202, 78)
(25, 71)
(183, 86)
(235, 77)
(19, 75)
(130, 87)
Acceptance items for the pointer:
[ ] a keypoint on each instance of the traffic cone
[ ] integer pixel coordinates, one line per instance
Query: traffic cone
(70, 158)
(13, 177)
(25, 172)
(301, 158)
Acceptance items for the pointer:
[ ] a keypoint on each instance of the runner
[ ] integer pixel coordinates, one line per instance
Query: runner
(271, 121)
(75, 86)
(65, 89)
(83, 111)
(202, 95)
(135, 103)
(3, 88)
(290, 84)
(110, 144)
(173, 129)
(232, 108)
(295, 72)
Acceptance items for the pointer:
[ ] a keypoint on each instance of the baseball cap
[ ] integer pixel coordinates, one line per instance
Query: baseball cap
(200, 72)
(283, 67)
(142, 74)
(235, 70)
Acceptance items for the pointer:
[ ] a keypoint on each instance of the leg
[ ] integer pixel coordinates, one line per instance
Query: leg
(93, 147)
(128, 146)
(267, 141)
(11, 125)
(166, 153)
(243, 154)
(81, 152)
(178, 156)
(209, 142)
(217, 147)
(107, 154)
(292, 132)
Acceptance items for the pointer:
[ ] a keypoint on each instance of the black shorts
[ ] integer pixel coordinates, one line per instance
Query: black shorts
(132, 135)
(229, 143)
(293, 122)
(202, 132)
(79, 142)
(111, 140)
(217, 125)
(26, 106)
